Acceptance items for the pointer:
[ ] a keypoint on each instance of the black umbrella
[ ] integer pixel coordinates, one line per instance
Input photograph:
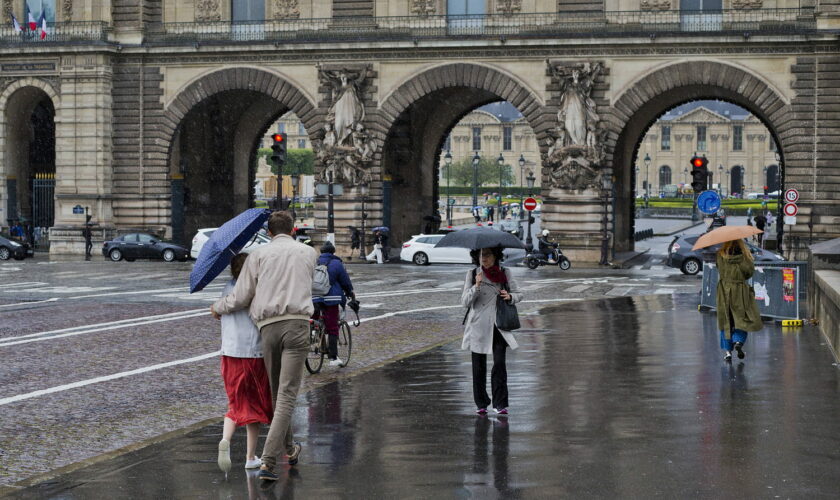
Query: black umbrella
(480, 237)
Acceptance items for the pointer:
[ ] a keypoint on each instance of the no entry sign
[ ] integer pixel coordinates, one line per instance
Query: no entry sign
(530, 204)
(791, 196)
(790, 209)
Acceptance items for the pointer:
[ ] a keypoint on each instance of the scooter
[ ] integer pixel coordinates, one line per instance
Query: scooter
(535, 259)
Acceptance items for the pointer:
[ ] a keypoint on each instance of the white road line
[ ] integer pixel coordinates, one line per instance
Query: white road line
(25, 283)
(146, 276)
(138, 371)
(27, 303)
(106, 378)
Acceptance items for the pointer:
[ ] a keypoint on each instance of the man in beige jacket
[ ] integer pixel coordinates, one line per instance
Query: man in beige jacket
(276, 283)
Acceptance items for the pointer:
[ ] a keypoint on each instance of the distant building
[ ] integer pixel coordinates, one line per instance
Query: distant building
(740, 150)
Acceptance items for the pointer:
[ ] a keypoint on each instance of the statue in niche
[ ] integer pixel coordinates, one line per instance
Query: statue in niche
(347, 109)
(577, 148)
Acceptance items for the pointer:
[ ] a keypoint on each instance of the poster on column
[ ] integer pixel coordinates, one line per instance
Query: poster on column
(788, 284)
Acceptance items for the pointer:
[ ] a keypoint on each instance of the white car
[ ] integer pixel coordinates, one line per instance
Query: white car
(421, 250)
(203, 235)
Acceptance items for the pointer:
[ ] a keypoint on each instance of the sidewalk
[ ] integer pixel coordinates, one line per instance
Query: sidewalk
(633, 401)
(665, 227)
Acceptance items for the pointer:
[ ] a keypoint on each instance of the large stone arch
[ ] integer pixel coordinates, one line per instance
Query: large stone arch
(638, 106)
(415, 118)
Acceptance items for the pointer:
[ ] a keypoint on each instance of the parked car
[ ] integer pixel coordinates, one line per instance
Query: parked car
(11, 248)
(143, 246)
(202, 235)
(421, 250)
(682, 257)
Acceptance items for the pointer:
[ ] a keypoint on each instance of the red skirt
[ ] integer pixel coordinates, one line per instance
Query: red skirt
(249, 395)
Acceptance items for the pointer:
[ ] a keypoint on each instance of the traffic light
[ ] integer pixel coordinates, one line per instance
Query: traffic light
(766, 191)
(699, 173)
(278, 155)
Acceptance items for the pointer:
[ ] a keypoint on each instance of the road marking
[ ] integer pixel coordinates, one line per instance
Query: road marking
(618, 291)
(68, 289)
(147, 276)
(138, 371)
(106, 378)
(25, 283)
(27, 303)
(577, 289)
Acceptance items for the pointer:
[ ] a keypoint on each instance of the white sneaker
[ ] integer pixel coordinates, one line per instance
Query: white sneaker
(336, 362)
(253, 464)
(727, 356)
(224, 455)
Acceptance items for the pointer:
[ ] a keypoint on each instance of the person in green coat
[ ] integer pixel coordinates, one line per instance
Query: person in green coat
(737, 309)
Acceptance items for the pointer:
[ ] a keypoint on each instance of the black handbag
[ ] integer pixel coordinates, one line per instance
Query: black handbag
(507, 317)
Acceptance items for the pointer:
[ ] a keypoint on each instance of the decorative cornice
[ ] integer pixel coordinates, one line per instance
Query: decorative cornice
(508, 6)
(424, 8)
(655, 4)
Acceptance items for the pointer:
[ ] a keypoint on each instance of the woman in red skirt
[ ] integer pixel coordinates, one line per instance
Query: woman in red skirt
(246, 381)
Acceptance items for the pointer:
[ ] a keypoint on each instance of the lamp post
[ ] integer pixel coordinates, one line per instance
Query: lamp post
(475, 161)
(330, 211)
(363, 190)
(647, 179)
(521, 182)
(295, 183)
(685, 176)
(448, 160)
(528, 240)
(720, 179)
(636, 184)
(501, 161)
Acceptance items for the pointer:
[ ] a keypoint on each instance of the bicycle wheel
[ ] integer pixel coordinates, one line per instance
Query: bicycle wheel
(315, 356)
(345, 342)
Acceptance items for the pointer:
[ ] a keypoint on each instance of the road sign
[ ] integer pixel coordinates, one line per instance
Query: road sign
(78, 210)
(791, 196)
(790, 220)
(708, 202)
(530, 204)
(322, 189)
(790, 209)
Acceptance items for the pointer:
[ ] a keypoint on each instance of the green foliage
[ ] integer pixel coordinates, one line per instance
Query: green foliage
(461, 173)
(298, 161)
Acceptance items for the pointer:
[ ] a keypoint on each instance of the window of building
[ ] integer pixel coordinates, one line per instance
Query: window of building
(247, 10)
(45, 6)
(462, 7)
(737, 138)
(507, 138)
(301, 143)
(281, 127)
(476, 138)
(664, 176)
(701, 138)
(301, 129)
(665, 142)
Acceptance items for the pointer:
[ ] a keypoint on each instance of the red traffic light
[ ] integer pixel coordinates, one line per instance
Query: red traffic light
(766, 188)
(277, 137)
(697, 162)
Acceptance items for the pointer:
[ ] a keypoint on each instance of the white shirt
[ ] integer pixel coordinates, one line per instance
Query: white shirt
(240, 337)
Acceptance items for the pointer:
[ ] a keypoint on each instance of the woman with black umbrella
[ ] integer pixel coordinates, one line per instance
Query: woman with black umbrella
(483, 286)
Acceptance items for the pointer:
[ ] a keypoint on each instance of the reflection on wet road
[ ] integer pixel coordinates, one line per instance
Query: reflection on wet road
(622, 398)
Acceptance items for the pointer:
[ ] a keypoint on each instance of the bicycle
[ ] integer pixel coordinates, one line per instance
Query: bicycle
(318, 344)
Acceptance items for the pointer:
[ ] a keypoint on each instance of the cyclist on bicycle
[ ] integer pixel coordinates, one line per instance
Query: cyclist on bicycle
(326, 307)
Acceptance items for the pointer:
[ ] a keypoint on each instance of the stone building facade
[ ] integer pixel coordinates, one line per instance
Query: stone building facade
(741, 152)
(155, 108)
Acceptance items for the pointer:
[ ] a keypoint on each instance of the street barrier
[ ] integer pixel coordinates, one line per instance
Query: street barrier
(643, 234)
(777, 288)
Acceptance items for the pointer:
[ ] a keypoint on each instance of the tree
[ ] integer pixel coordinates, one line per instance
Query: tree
(298, 161)
(488, 173)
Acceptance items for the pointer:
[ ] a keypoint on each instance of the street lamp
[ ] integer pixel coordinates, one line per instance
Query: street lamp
(363, 190)
(501, 161)
(720, 179)
(295, 183)
(475, 161)
(528, 241)
(636, 184)
(521, 179)
(647, 179)
(448, 160)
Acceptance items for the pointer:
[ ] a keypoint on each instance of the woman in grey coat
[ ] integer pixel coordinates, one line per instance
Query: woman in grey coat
(481, 336)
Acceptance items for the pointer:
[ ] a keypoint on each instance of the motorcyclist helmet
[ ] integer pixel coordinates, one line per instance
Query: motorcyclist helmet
(545, 232)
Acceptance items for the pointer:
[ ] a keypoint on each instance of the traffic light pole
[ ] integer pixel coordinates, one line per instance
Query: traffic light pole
(330, 215)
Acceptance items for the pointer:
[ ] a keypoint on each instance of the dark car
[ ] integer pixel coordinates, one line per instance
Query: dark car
(143, 246)
(681, 256)
(11, 248)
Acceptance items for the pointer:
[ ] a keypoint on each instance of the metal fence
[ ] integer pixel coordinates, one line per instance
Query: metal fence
(522, 25)
(65, 32)
(779, 288)
(43, 200)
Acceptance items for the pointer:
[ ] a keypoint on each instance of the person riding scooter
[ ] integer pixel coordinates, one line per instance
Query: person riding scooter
(547, 247)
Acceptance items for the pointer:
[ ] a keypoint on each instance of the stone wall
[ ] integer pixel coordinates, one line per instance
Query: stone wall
(826, 303)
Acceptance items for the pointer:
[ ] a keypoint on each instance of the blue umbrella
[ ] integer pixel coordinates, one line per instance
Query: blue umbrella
(381, 229)
(223, 244)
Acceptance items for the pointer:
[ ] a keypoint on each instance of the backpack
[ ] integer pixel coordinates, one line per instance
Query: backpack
(321, 281)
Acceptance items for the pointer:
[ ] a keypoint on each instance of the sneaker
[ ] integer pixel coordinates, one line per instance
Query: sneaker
(738, 347)
(500, 411)
(727, 356)
(295, 454)
(224, 455)
(336, 362)
(267, 475)
(481, 411)
(253, 464)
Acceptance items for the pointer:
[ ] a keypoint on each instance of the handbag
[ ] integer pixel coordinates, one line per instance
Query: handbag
(507, 317)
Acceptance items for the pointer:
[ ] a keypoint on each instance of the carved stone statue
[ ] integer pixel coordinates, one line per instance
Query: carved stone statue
(577, 151)
(347, 109)
(286, 9)
(207, 10)
(424, 7)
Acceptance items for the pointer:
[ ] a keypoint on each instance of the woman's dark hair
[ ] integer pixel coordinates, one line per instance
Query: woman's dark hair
(236, 264)
(497, 252)
(327, 247)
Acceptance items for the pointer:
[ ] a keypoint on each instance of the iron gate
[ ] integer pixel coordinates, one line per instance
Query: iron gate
(43, 200)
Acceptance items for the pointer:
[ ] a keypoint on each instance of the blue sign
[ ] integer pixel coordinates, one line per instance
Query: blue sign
(708, 202)
(78, 210)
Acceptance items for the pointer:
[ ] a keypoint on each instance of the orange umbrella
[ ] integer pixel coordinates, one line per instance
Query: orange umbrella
(725, 233)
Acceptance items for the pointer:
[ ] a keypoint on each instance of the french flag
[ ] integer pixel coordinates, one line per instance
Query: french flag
(29, 19)
(43, 22)
(16, 24)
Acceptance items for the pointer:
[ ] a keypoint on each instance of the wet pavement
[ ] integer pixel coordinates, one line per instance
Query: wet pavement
(626, 397)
